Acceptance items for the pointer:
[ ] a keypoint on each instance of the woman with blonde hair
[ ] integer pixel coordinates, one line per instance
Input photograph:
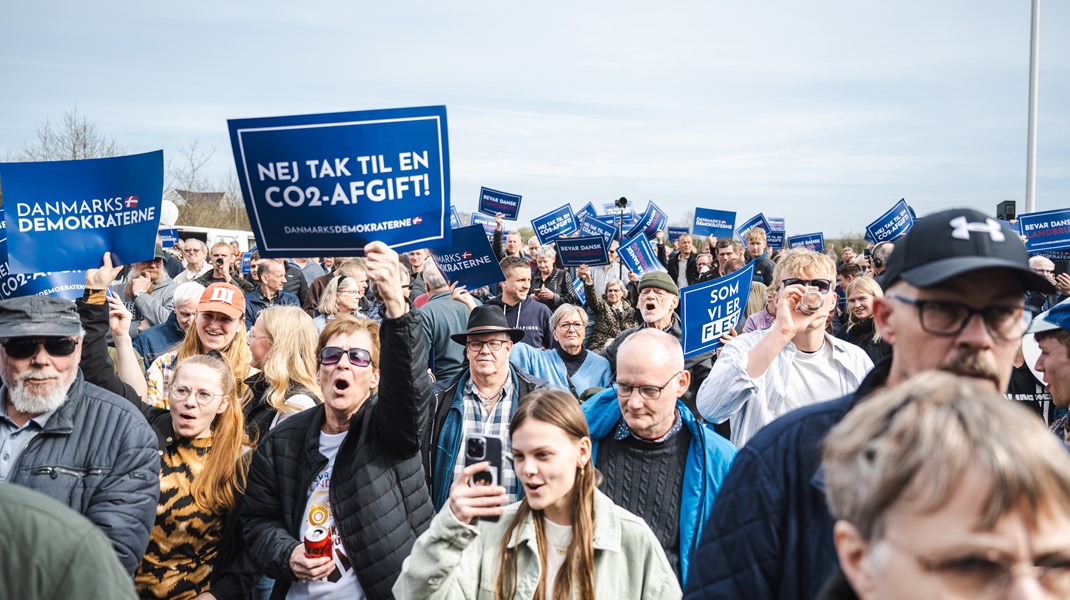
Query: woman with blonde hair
(859, 328)
(565, 539)
(341, 296)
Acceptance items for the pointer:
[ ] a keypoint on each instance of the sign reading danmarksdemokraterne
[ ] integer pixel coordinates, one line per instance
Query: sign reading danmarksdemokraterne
(573, 252)
(718, 223)
(66, 214)
(469, 260)
(326, 185)
(493, 202)
(554, 224)
(593, 226)
(895, 221)
(652, 221)
(810, 241)
(68, 285)
(455, 218)
(487, 223)
(676, 232)
(1046, 230)
(637, 254)
(581, 292)
(710, 309)
(757, 220)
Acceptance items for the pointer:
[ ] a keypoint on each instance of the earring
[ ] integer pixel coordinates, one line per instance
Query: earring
(582, 467)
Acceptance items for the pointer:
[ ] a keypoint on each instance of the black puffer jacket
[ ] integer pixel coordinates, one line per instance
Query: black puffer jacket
(378, 494)
(560, 283)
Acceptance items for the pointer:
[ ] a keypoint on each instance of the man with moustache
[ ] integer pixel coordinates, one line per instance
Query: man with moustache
(954, 300)
(147, 292)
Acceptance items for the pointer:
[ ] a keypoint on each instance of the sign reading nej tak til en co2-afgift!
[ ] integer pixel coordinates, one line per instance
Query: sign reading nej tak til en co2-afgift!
(68, 285)
(468, 260)
(718, 223)
(65, 215)
(895, 221)
(652, 221)
(637, 254)
(573, 252)
(810, 241)
(710, 309)
(328, 184)
(1046, 230)
(493, 202)
(554, 224)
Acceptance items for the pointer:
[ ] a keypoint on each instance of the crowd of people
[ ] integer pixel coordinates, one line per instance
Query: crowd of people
(363, 428)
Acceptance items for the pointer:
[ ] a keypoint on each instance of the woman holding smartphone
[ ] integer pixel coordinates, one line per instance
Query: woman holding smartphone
(565, 539)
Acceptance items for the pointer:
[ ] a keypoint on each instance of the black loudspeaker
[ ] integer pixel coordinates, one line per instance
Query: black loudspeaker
(1006, 210)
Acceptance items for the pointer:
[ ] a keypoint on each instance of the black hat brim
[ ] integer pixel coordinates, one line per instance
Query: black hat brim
(514, 334)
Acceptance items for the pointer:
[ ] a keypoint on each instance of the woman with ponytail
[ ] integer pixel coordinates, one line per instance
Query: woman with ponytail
(565, 539)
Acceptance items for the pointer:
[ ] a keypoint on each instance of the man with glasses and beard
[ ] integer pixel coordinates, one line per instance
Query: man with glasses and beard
(954, 300)
(67, 438)
(764, 374)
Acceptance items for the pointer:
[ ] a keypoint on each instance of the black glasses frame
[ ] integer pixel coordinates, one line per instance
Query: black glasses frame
(25, 347)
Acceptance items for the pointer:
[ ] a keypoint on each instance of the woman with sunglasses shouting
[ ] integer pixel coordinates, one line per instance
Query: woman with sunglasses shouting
(336, 495)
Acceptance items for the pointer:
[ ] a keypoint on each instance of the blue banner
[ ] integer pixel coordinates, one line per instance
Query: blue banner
(65, 215)
(68, 285)
(718, 223)
(455, 218)
(676, 232)
(580, 289)
(554, 224)
(708, 310)
(326, 185)
(587, 210)
(637, 254)
(652, 221)
(812, 241)
(594, 226)
(1046, 230)
(488, 223)
(757, 220)
(573, 252)
(775, 224)
(168, 238)
(469, 261)
(625, 216)
(247, 260)
(896, 221)
(1057, 255)
(492, 202)
(774, 240)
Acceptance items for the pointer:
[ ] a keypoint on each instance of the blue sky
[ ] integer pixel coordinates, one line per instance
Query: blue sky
(823, 113)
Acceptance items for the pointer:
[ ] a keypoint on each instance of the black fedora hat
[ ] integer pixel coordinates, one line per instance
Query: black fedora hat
(487, 319)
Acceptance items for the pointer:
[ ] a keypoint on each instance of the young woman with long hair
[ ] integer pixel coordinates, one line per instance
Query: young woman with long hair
(565, 539)
(859, 328)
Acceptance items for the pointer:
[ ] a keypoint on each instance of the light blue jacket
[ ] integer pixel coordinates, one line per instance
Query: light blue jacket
(547, 364)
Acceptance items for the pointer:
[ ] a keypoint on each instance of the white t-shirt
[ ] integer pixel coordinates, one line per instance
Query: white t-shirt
(558, 538)
(814, 378)
(342, 582)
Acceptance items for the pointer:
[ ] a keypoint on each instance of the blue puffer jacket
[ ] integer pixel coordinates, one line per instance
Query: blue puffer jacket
(770, 533)
(708, 461)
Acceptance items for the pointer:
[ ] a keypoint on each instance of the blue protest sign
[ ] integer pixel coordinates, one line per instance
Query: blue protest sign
(774, 240)
(637, 254)
(469, 260)
(593, 226)
(581, 291)
(554, 224)
(676, 232)
(66, 214)
(168, 238)
(1056, 255)
(1046, 230)
(492, 202)
(68, 285)
(895, 221)
(710, 309)
(812, 241)
(573, 252)
(624, 216)
(775, 223)
(652, 221)
(328, 184)
(247, 260)
(588, 209)
(757, 220)
(488, 223)
(718, 223)
(455, 218)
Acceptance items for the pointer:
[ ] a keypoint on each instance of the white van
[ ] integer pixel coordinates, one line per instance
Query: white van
(211, 235)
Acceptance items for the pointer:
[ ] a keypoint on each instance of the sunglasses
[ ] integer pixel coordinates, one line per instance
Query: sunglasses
(358, 357)
(822, 285)
(25, 347)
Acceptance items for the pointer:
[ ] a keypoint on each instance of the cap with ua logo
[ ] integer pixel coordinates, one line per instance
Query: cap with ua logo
(952, 242)
(223, 298)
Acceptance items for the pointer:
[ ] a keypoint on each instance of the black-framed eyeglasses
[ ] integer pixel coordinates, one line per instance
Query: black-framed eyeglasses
(25, 347)
(181, 393)
(358, 357)
(948, 319)
(822, 285)
(650, 392)
(477, 346)
(987, 573)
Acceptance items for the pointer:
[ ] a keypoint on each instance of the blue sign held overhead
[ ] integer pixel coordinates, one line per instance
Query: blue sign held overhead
(652, 221)
(326, 185)
(455, 218)
(487, 223)
(811, 241)
(1044, 231)
(168, 238)
(757, 220)
(247, 260)
(775, 240)
(896, 221)
(594, 226)
(710, 309)
(65, 215)
(676, 232)
(718, 223)
(68, 285)
(587, 209)
(554, 224)
(573, 252)
(637, 254)
(775, 223)
(469, 260)
(580, 289)
(492, 202)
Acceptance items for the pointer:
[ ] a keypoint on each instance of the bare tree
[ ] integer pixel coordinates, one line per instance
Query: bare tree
(187, 171)
(74, 137)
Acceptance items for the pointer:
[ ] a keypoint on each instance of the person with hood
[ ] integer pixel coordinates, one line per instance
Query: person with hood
(522, 311)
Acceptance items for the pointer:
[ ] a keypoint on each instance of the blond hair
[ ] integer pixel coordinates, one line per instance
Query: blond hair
(864, 285)
(290, 364)
(805, 263)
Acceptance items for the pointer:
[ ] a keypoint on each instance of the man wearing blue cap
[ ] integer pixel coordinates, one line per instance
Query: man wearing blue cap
(1052, 333)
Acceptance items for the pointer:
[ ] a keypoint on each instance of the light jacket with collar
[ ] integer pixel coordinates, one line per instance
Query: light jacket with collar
(455, 560)
(548, 365)
(754, 402)
(709, 457)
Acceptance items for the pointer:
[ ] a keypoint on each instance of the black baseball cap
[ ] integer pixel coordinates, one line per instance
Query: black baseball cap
(951, 242)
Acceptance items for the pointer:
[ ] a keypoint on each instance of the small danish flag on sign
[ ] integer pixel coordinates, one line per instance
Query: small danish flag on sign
(417, 220)
(131, 201)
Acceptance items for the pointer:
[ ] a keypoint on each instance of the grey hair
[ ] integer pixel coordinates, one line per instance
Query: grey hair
(433, 279)
(1038, 261)
(190, 291)
(565, 310)
(196, 242)
(545, 251)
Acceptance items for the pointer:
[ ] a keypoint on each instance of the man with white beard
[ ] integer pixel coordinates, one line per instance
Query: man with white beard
(67, 438)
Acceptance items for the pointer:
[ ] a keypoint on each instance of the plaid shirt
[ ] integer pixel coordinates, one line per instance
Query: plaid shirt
(159, 376)
(476, 420)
